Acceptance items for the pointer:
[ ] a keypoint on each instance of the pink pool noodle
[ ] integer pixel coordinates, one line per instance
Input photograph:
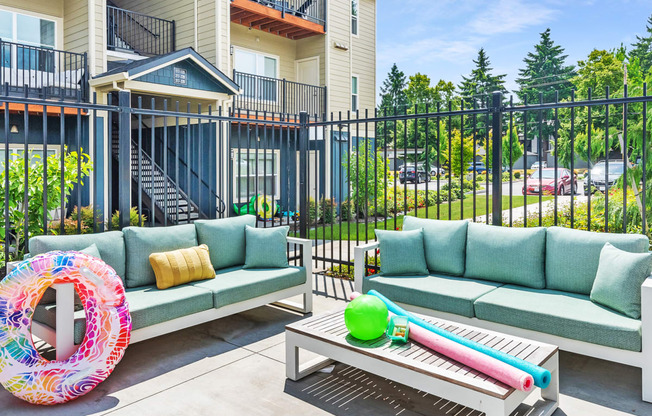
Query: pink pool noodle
(490, 366)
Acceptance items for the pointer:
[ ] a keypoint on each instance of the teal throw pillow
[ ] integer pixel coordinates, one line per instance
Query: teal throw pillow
(402, 253)
(225, 239)
(619, 278)
(266, 248)
(92, 251)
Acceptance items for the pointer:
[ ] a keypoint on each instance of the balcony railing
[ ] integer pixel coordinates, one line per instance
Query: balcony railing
(272, 95)
(138, 33)
(312, 10)
(39, 72)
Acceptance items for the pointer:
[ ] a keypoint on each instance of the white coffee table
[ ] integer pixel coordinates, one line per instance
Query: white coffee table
(421, 368)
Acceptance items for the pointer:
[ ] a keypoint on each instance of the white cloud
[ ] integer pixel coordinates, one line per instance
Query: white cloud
(510, 16)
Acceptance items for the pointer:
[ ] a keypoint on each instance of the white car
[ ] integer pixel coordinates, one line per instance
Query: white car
(535, 165)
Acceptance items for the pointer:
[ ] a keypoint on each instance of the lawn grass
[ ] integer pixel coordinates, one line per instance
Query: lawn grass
(361, 232)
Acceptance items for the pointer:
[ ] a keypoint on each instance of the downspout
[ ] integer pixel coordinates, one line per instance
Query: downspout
(195, 26)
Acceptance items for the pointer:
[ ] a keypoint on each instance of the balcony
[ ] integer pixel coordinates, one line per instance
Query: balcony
(277, 96)
(137, 33)
(39, 72)
(293, 19)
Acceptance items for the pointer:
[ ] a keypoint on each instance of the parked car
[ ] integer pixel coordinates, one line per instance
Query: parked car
(535, 165)
(408, 173)
(479, 167)
(598, 171)
(542, 181)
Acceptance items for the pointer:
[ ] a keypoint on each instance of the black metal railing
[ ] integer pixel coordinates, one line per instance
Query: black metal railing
(312, 10)
(139, 33)
(336, 179)
(264, 94)
(39, 72)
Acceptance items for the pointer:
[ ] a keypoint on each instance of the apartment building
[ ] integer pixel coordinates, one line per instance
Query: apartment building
(265, 59)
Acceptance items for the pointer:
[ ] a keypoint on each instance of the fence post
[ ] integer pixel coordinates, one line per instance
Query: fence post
(497, 159)
(303, 175)
(124, 157)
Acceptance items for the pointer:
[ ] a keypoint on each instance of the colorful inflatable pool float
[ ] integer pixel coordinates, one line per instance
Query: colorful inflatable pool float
(265, 206)
(27, 375)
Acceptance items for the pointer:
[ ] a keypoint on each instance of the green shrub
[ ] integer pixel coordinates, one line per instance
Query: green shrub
(328, 208)
(133, 218)
(517, 175)
(313, 211)
(346, 211)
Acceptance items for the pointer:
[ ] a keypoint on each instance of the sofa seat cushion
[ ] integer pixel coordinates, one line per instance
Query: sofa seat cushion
(506, 255)
(565, 314)
(572, 256)
(147, 305)
(444, 243)
(140, 242)
(236, 284)
(439, 292)
(110, 245)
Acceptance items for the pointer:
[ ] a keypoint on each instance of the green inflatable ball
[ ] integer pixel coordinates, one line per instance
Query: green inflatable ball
(366, 317)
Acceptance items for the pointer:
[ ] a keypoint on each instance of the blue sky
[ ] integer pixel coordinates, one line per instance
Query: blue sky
(441, 37)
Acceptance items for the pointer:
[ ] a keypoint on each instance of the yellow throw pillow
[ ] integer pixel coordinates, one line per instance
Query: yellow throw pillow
(174, 268)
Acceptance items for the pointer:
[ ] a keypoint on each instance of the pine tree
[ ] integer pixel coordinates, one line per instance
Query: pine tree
(642, 48)
(481, 83)
(392, 92)
(476, 90)
(545, 72)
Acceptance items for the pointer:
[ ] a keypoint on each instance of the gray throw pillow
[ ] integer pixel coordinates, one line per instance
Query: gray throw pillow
(402, 253)
(266, 248)
(619, 278)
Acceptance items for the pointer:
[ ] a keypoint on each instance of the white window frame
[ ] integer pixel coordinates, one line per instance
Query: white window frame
(356, 18)
(58, 27)
(15, 147)
(355, 94)
(271, 154)
(266, 55)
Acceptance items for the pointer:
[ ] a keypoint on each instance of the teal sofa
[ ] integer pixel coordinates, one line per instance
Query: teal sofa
(155, 312)
(533, 282)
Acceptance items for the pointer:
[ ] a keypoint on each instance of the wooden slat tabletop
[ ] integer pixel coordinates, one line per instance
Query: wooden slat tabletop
(330, 328)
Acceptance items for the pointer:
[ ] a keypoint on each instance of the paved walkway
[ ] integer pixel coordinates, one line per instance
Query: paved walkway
(235, 366)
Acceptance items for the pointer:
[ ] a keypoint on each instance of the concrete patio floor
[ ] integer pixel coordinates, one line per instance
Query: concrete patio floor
(235, 366)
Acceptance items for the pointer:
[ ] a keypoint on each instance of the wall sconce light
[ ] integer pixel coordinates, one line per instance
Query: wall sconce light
(13, 129)
(231, 49)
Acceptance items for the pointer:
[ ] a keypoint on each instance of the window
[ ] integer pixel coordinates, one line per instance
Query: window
(35, 152)
(354, 17)
(354, 93)
(30, 31)
(259, 80)
(257, 173)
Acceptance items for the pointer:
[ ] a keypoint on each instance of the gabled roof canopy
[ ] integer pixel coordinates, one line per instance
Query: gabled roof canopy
(180, 69)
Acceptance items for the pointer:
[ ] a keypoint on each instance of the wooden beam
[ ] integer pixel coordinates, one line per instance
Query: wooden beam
(306, 35)
(251, 18)
(257, 23)
(265, 11)
(238, 14)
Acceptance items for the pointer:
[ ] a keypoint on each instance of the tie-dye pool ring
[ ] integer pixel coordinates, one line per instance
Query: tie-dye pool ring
(23, 371)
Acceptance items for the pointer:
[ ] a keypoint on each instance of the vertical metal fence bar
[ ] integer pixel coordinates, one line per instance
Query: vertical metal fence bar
(462, 167)
(45, 171)
(540, 157)
(525, 175)
(644, 162)
(511, 161)
(587, 180)
(439, 163)
(188, 160)
(427, 166)
(606, 165)
(6, 184)
(625, 164)
(152, 161)
(450, 157)
(200, 162)
(166, 211)
(139, 150)
(62, 139)
(177, 180)
(474, 139)
(79, 172)
(497, 154)
(26, 156)
(555, 205)
(572, 164)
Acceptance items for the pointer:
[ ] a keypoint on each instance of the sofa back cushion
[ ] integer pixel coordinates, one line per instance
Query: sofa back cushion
(572, 256)
(506, 255)
(110, 245)
(444, 242)
(140, 242)
(225, 239)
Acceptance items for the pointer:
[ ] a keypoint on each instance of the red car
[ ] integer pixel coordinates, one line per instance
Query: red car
(545, 178)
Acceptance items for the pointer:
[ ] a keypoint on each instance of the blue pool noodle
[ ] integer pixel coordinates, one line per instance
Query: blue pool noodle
(541, 375)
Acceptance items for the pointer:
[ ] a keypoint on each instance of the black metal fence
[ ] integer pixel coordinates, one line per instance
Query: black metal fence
(39, 72)
(139, 33)
(272, 95)
(150, 161)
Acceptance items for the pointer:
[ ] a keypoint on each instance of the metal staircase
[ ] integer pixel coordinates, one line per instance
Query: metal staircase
(160, 193)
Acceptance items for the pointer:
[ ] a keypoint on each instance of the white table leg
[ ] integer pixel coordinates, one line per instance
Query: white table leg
(291, 358)
(552, 391)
